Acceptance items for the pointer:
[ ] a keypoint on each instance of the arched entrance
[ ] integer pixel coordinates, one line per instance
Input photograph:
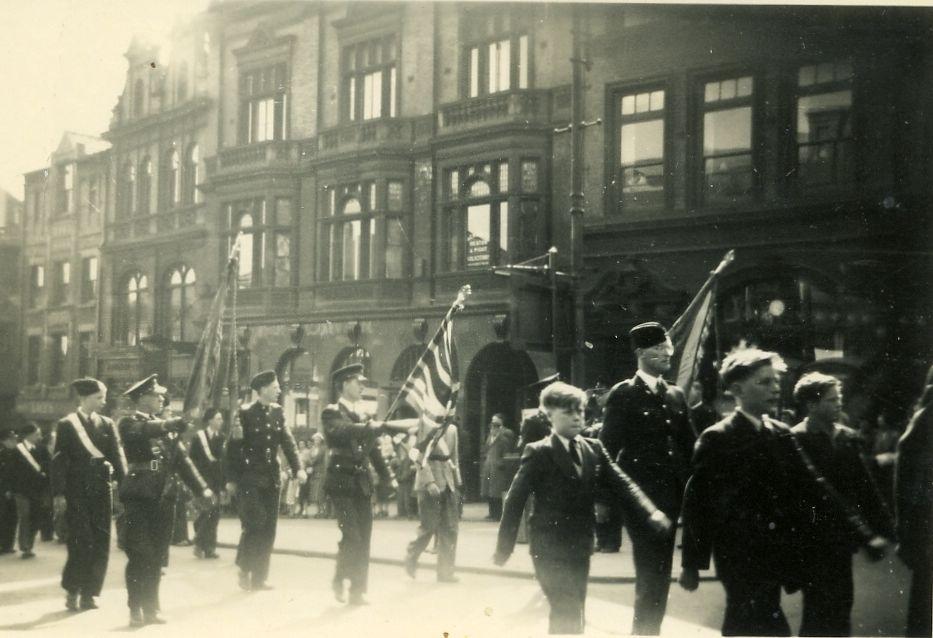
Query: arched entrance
(493, 383)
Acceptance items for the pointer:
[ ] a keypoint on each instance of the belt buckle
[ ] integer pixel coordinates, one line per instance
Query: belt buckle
(154, 465)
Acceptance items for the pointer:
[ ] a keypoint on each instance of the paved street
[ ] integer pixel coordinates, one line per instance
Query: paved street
(202, 595)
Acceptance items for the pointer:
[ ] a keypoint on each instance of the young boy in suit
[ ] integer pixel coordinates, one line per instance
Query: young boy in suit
(567, 474)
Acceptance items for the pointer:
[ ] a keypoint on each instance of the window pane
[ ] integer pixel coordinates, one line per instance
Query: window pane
(283, 211)
(395, 248)
(529, 176)
(824, 131)
(351, 250)
(727, 141)
(523, 69)
(642, 103)
(245, 274)
(351, 98)
(504, 176)
(824, 72)
(711, 92)
(351, 206)
(744, 88)
(283, 259)
(453, 239)
(474, 72)
(479, 188)
(504, 234)
(628, 105)
(373, 271)
(492, 67)
(642, 142)
(454, 183)
(657, 100)
(727, 89)
(806, 76)
(392, 81)
(394, 196)
(505, 65)
(478, 236)
(642, 164)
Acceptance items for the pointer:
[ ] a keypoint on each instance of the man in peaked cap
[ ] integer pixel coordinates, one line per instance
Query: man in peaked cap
(7, 502)
(253, 473)
(351, 437)
(87, 454)
(647, 430)
(154, 455)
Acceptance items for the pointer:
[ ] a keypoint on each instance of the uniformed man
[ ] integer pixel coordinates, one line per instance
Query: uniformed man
(253, 473)
(154, 455)
(437, 485)
(30, 473)
(207, 453)
(647, 431)
(87, 453)
(351, 437)
(7, 501)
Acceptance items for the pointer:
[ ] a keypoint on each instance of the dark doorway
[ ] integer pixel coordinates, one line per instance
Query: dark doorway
(493, 383)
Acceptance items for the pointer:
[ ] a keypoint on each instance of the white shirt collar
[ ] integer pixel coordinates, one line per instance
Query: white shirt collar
(756, 421)
(89, 417)
(652, 382)
(352, 407)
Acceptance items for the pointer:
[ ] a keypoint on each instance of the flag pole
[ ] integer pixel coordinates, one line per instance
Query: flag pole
(456, 306)
(233, 371)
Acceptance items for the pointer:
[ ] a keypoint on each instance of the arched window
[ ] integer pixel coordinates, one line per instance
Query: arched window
(135, 310)
(139, 98)
(349, 239)
(476, 221)
(145, 186)
(247, 273)
(192, 175)
(173, 180)
(180, 299)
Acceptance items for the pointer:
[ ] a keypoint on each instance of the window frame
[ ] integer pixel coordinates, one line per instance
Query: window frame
(850, 84)
(267, 229)
(185, 306)
(352, 77)
(614, 202)
(494, 25)
(756, 103)
(131, 319)
(455, 211)
(90, 278)
(250, 96)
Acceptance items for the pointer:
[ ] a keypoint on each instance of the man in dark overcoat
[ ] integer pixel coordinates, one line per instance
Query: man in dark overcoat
(31, 469)
(207, 453)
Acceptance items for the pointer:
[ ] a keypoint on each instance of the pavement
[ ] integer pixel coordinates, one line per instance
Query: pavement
(201, 596)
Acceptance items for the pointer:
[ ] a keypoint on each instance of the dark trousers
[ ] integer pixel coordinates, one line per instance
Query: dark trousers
(753, 608)
(495, 508)
(27, 511)
(404, 498)
(564, 585)
(653, 561)
(44, 524)
(920, 607)
(609, 532)
(438, 515)
(205, 528)
(259, 514)
(827, 598)
(7, 523)
(144, 540)
(87, 528)
(180, 528)
(355, 519)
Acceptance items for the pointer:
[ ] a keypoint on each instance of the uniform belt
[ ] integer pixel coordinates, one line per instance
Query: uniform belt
(438, 457)
(146, 466)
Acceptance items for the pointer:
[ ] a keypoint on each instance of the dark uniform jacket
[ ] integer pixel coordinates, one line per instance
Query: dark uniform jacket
(914, 481)
(6, 471)
(749, 500)
(562, 523)
(27, 480)
(86, 451)
(208, 458)
(650, 436)
(840, 458)
(154, 458)
(352, 448)
(254, 460)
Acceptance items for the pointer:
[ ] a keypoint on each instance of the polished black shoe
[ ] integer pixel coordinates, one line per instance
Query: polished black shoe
(337, 587)
(28, 554)
(411, 566)
(212, 555)
(198, 552)
(71, 601)
(87, 602)
(136, 618)
(153, 618)
(244, 580)
(357, 600)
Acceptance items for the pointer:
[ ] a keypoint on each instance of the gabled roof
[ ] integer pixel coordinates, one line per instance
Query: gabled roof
(75, 145)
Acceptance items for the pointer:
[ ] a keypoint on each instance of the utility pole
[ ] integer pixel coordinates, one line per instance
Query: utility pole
(577, 198)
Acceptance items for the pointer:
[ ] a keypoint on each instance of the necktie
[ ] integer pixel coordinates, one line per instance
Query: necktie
(575, 456)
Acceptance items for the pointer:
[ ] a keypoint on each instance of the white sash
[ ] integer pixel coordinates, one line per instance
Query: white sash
(207, 447)
(120, 452)
(28, 456)
(83, 437)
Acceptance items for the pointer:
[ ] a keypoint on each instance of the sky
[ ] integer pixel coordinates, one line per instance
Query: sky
(62, 69)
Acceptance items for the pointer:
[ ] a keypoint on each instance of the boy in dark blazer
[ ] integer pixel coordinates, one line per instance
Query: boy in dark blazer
(566, 474)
